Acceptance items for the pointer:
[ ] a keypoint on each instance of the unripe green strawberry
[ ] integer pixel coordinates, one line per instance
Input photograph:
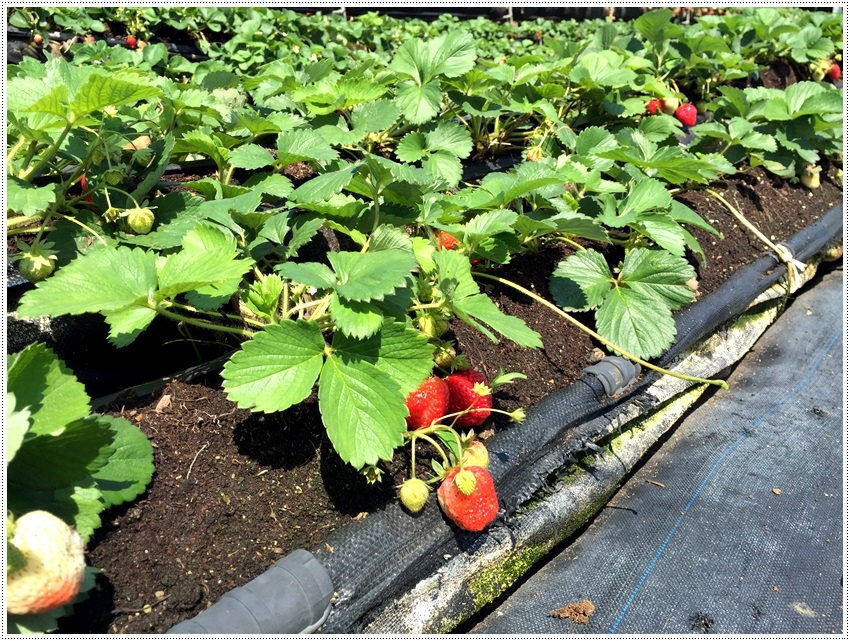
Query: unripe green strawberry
(36, 263)
(473, 511)
(36, 268)
(140, 219)
(428, 403)
(476, 455)
(535, 154)
(113, 177)
(55, 564)
(670, 105)
(414, 494)
(811, 176)
(432, 325)
(444, 355)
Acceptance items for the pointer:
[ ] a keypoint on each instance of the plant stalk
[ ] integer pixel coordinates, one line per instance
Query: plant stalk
(47, 155)
(159, 309)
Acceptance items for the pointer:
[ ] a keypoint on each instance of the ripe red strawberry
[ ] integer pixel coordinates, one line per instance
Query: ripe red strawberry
(37, 39)
(85, 187)
(469, 389)
(687, 115)
(428, 403)
(474, 509)
(54, 564)
(835, 71)
(131, 42)
(446, 240)
(655, 106)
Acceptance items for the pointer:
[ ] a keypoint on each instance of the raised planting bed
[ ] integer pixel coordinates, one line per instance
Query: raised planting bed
(235, 491)
(332, 279)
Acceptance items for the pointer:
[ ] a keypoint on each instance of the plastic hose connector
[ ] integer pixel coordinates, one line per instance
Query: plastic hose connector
(291, 597)
(615, 373)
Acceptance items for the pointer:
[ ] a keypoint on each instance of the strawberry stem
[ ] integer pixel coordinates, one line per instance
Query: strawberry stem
(604, 341)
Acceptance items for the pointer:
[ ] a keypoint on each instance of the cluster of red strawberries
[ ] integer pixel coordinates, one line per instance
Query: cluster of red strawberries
(463, 398)
(466, 493)
(684, 113)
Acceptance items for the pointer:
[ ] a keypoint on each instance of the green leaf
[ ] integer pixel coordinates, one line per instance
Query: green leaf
(370, 276)
(418, 103)
(491, 223)
(276, 368)
(450, 55)
(363, 410)
(636, 322)
(357, 319)
(303, 144)
(804, 98)
(480, 307)
(54, 473)
(595, 140)
(664, 232)
(208, 258)
(443, 165)
(582, 281)
(250, 157)
(271, 184)
(129, 469)
(660, 275)
(46, 388)
(374, 116)
(201, 142)
(322, 187)
(54, 103)
(101, 90)
(601, 69)
(162, 148)
(126, 324)
(455, 274)
(105, 279)
(655, 26)
(455, 54)
(397, 349)
(681, 213)
(311, 274)
(28, 199)
(451, 137)
(18, 424)
(412, 147)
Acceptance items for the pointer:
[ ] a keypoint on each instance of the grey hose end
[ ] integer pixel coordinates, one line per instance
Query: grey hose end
(615, 373)
(291, 597)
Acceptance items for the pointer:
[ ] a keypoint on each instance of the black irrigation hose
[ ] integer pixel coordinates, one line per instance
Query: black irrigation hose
(375, 560)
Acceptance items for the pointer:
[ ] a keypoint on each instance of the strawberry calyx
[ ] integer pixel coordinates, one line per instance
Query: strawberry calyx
(465, 481)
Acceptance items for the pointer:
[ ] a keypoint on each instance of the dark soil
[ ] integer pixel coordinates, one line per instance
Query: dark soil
(234, 491)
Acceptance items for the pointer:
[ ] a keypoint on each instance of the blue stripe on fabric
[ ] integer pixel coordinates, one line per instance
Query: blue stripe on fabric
(698, 491)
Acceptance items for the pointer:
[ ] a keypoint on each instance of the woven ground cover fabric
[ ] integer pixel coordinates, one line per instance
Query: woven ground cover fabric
(734, 526)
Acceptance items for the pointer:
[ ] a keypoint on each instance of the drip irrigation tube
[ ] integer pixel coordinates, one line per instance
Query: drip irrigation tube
(402, 574)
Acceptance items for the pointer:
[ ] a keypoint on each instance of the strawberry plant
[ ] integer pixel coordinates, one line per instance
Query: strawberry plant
(64, 466)
(781, 130)
(649, 283)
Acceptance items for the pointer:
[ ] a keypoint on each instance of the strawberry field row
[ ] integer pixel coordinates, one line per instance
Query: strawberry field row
(367, 128)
